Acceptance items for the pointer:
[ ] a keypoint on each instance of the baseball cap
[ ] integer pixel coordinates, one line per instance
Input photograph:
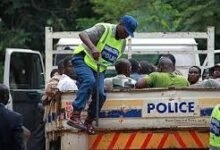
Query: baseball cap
(129, 23)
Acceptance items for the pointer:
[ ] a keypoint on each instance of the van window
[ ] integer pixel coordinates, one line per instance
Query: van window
(26, 71)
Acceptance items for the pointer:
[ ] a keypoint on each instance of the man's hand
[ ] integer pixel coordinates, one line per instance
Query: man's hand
(95, 53)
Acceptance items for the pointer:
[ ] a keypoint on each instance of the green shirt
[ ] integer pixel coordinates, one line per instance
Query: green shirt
(162, 79)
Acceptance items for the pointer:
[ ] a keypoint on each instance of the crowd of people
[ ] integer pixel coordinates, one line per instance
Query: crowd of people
(133, 74)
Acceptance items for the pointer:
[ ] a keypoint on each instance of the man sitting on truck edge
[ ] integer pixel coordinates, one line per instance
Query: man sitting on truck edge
(165, 77)
(67, 80)
(51, 86)
(103, 43)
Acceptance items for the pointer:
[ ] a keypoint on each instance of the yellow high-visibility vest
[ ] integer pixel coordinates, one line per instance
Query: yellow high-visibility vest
(109, 47)
(214, 139)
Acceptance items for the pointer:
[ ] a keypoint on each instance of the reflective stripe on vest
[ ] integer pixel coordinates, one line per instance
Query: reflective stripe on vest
(108, 46)
(215, 127)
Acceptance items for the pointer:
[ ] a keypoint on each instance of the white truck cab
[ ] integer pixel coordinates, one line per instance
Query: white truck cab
(24, 75)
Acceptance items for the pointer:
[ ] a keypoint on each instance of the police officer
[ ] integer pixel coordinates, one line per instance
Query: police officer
(214, 140)
(104, 43)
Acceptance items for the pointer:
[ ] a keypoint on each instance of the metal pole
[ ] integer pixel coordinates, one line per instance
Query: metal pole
(97, 94)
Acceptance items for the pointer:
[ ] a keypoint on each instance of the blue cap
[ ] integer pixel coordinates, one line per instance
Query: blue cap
(129, 23)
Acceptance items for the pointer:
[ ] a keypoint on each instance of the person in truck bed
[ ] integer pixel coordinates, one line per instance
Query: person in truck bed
(214, 81)
(68, 79)
(135, 69)
(146, 67)
(165, 77)
(122, 79)
(194, 75)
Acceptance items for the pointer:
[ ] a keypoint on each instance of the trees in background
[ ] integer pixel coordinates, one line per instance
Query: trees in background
(23, 21)
(152, 15)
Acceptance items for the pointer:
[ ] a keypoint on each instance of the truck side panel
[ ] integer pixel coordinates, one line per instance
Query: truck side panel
(145, 119)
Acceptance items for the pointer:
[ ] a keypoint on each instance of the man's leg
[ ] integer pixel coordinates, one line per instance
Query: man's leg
(86, 82)
(92, 106)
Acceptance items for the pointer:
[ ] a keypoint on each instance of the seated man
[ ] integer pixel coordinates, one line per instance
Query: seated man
(67, 80)
(51, 86)
(122, 80)
(135, 69)
(60, 81)
(194, 74)
(165, 77)
(146, 68)
(173, 59)
(211, 83)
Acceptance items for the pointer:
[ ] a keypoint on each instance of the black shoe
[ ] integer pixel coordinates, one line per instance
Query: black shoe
(89, 128)
(76, 123)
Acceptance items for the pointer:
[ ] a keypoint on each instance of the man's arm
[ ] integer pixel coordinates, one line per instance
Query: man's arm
(140, 84)
(90, 38)
(86, 40)
(145, 82)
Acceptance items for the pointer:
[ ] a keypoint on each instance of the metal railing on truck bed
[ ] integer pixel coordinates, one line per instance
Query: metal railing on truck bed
(143, 44)
(158, 118)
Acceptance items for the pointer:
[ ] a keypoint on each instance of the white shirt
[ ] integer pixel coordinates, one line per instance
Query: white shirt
(66, 83)
(119, 81)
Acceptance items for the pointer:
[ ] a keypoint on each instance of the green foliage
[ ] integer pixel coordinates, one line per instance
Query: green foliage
(112, 10)
(151, 15)
(84, 23)
(13, 38)
(27, 19)
(198, 15)
(22, 22)
(156, 16)
(104, 11)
